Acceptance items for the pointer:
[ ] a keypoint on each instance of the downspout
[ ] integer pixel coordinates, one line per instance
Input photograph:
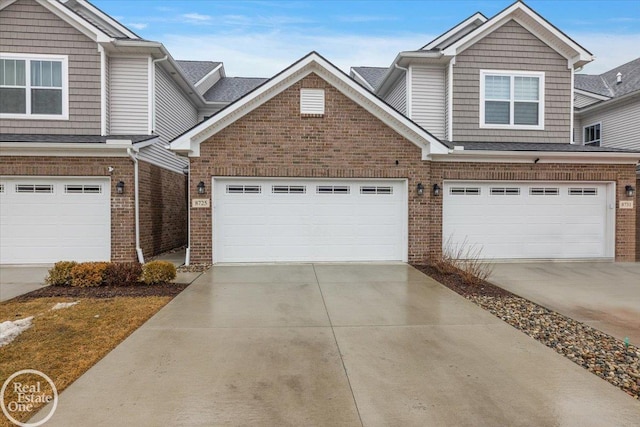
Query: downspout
(187, 257)
(152, 88)
(103, 91)
(131, 154)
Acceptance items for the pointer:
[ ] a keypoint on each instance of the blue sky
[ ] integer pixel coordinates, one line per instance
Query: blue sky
(260, 38)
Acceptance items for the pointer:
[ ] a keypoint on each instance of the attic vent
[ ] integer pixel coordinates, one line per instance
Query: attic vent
(312, 101)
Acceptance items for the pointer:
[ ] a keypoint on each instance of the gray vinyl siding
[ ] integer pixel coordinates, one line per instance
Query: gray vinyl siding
(583, 100)
(577, 130)
(620, 125)
(157, 154)
(174, 112)
(129, 95)
(28, 28)
(397, 96)
(428, 99)
(511, 47)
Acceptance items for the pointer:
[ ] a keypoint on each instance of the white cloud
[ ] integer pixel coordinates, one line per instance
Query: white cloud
(196, 18)
(611, 50)
(138, 25)
(263, 54)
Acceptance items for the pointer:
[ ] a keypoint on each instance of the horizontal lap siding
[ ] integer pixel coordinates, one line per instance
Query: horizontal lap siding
(620, 125)
(583, 100)
(428, 99)
(397, 97)
(26, 27)
(511, 47)
(129, 96)
(174, 111)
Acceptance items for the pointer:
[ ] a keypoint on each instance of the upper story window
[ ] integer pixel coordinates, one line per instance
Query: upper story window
(511, 100)
(33, 86)
(592, 134)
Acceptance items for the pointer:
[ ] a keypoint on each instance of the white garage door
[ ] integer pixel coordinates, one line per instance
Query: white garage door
(263, 220)
(511, 220)
(44, 220)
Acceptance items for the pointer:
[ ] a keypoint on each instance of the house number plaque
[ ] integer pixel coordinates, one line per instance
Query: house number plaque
(626, 204)
(200, 203)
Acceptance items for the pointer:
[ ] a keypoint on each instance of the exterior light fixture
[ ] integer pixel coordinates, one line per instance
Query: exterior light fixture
(420, 189)
(120, 187)
(630, 190)
(436, 190)
(200, 187)
(185, 170)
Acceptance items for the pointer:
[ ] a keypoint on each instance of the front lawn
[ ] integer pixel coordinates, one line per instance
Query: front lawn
(66, 342)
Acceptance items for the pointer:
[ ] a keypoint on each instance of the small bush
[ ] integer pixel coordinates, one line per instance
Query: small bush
(60, 274)
(123, 273)
(155, 272)
(464, 259)
(88, 274)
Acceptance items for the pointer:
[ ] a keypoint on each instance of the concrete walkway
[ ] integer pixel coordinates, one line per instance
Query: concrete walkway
(19, 280)
(603, 295)
(334, 345)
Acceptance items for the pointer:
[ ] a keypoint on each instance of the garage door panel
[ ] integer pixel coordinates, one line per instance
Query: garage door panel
(528, 225)
(49, 227)
(310, 226)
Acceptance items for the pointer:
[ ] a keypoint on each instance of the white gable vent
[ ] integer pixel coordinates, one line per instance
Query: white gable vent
(312, 101)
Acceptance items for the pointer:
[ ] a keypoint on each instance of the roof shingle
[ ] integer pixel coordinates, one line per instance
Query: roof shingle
(196, 70)
(229, 89)
(373, 75)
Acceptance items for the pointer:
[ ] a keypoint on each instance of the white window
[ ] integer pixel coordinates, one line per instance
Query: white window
(592, 134)
(33, 86)
(464, 191)
(511, 99)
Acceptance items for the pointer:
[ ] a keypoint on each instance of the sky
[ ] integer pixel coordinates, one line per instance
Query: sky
(260, 38)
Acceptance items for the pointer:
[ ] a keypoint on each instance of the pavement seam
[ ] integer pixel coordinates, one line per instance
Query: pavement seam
(335, 339)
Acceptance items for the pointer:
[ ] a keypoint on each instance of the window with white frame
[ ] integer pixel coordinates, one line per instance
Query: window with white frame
(511, 99)
(33, 86)
(592, 134)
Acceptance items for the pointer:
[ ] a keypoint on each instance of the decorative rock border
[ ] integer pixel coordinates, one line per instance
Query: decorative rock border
(603, 355)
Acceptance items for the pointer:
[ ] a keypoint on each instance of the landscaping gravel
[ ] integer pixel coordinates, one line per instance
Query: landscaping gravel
(194, 268)
(601, 354)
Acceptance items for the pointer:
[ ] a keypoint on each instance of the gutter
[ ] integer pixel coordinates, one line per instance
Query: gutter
(535, 157)
(137, 204)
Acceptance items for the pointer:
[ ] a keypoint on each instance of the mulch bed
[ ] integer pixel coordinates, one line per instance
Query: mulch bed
(168, 289)
(603, 355)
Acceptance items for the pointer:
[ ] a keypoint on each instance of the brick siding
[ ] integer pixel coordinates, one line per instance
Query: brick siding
(274, 140)
(163, 209)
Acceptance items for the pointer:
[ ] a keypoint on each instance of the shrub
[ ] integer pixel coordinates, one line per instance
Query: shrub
(155, 272)
(464, 259)
(60, 274)
(88, 274)
(122, 273)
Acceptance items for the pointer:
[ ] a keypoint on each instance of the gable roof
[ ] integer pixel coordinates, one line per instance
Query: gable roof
(534, 23)
(373, 76)
(196, 70)
(457, 32)
(229, 89)
(606, 83)
(189, 142)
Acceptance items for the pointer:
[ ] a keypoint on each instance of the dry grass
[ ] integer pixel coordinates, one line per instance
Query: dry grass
(464, 259)
(65, 343)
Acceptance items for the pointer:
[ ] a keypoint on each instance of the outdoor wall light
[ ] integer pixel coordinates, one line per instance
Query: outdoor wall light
(436, 190)
(120, 187)
(420, 189)
(201, 187)
(630, 190)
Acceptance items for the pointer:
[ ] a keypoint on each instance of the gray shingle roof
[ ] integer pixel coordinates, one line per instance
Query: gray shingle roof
(605, 83)
(373, 75)
(535, 146)
(13, 137)
(229, 89)
(196, 70)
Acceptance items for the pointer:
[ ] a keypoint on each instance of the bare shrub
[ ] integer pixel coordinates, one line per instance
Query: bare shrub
(464, 259)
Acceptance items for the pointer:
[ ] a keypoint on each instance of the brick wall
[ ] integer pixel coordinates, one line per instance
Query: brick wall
(348, 142)
(163, 209)
(274, 140)
(620, 174)
(122, 206)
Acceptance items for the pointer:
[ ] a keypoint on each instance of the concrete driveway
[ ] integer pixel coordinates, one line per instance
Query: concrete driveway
(18, 280)
(603, 295)
(334, 345)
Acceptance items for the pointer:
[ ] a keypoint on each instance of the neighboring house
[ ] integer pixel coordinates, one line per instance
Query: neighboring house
(87, 108)
(467, 139)
(607, 107)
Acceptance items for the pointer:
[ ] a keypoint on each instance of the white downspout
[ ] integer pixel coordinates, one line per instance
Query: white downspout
(137, 204)
(103, 91)
(152, 92)
(187, 257)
